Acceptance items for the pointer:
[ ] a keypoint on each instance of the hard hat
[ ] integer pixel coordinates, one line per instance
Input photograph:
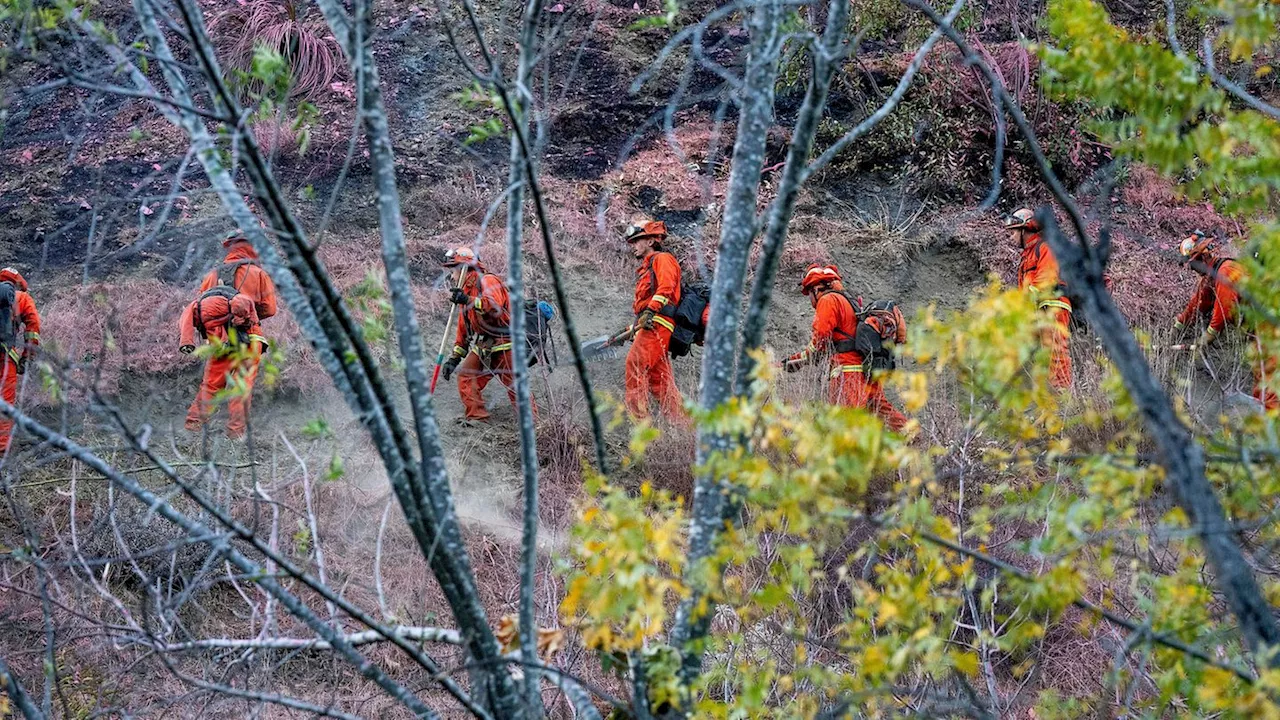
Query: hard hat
(1196, 243)
(642, 228)
(462, 256)
(1022, 219)
(234, 236)
(11, 275)
(817, 275)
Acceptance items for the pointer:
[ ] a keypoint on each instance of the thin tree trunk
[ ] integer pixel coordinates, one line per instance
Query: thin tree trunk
(826, 60)
(498, 691)
(738, 230)
(523, 106)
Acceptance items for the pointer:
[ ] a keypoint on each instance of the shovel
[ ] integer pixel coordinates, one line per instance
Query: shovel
(605, 347)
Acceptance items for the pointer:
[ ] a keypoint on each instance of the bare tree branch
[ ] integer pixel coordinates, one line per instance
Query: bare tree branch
(366, 637)
(1182, 457)
(10, 685)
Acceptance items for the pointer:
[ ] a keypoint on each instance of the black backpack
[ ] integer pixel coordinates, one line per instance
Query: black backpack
(876, 352)
(8, 322)
(537, 331)
(690, 330)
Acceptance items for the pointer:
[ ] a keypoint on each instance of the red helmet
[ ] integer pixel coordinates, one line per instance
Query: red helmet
(10, 275)
(1196, 244)
(462, 256)
(644, 228)
(816, 275)
(1024, 219)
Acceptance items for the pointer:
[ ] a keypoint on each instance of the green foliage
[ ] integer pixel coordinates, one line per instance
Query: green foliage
(1164, 110)
(483, 101)
(916, 605)
(670, 11)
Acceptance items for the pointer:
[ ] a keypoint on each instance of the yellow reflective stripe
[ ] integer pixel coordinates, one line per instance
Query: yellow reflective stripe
(459, 350)
(15, 355)
(1210, 332)
(664, 323)
(1060, 304)
(489, 351)
(843, 369)
(479, 303)
(660, 299)
(259, 338)
(33, 335)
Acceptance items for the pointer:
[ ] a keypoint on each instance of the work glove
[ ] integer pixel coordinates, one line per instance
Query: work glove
(186, 349)
(1178, 326)
(791, 365)
(22, 364)
(457, 297)
(645, 321)
(450, 365)
(1206, 338)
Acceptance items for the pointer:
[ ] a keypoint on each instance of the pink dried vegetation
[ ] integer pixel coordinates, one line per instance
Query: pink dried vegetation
(104, 331)
(678, 171)
(287, 27)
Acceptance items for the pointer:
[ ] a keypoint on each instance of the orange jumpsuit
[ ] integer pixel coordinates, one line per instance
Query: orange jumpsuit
(484, 341)
(1038, 273)
(1217, 298)
(648, 369)
(254, 283)
(834, 320)
(25, 317)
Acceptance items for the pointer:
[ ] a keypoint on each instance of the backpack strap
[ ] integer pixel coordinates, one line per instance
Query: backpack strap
(227, 273)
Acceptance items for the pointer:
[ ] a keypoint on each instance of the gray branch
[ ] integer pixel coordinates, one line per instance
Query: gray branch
(1182, 457)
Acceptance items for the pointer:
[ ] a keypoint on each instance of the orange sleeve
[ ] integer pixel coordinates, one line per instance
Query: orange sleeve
(210, 279)
(493, 300)
(1043, 276)
(265, 297)
(667, 272)
(186, 326)
(1192, 311)
(1226, 297)
(460, 340)
(29, 316)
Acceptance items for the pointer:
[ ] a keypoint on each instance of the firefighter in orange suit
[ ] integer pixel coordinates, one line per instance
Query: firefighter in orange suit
(220, 315)
(482, 346)
(835, 336)
(21, 336)
(1217, 299)
(1038, 274)
(657, 295)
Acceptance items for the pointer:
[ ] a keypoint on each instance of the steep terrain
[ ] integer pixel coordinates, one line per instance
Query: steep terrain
(83, 214)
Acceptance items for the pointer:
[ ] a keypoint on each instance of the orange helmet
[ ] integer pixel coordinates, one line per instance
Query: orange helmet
(462, 256)
(10, 275)
(644, 228)
(1024, 219)
(1195, 245)
(816, 276)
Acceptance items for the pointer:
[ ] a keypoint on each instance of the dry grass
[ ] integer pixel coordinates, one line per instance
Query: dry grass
(288, 27)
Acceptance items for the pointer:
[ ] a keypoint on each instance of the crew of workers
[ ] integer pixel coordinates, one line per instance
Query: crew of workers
(853, 343)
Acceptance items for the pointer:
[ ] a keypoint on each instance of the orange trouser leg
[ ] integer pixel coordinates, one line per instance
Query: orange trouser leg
(880, 405)
(473, 376)
(649, 372)
(218, 372)
(9, 386)
(851, 389)
(500, 364)
(215, 379)
(1058, 340)
(245, 370)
